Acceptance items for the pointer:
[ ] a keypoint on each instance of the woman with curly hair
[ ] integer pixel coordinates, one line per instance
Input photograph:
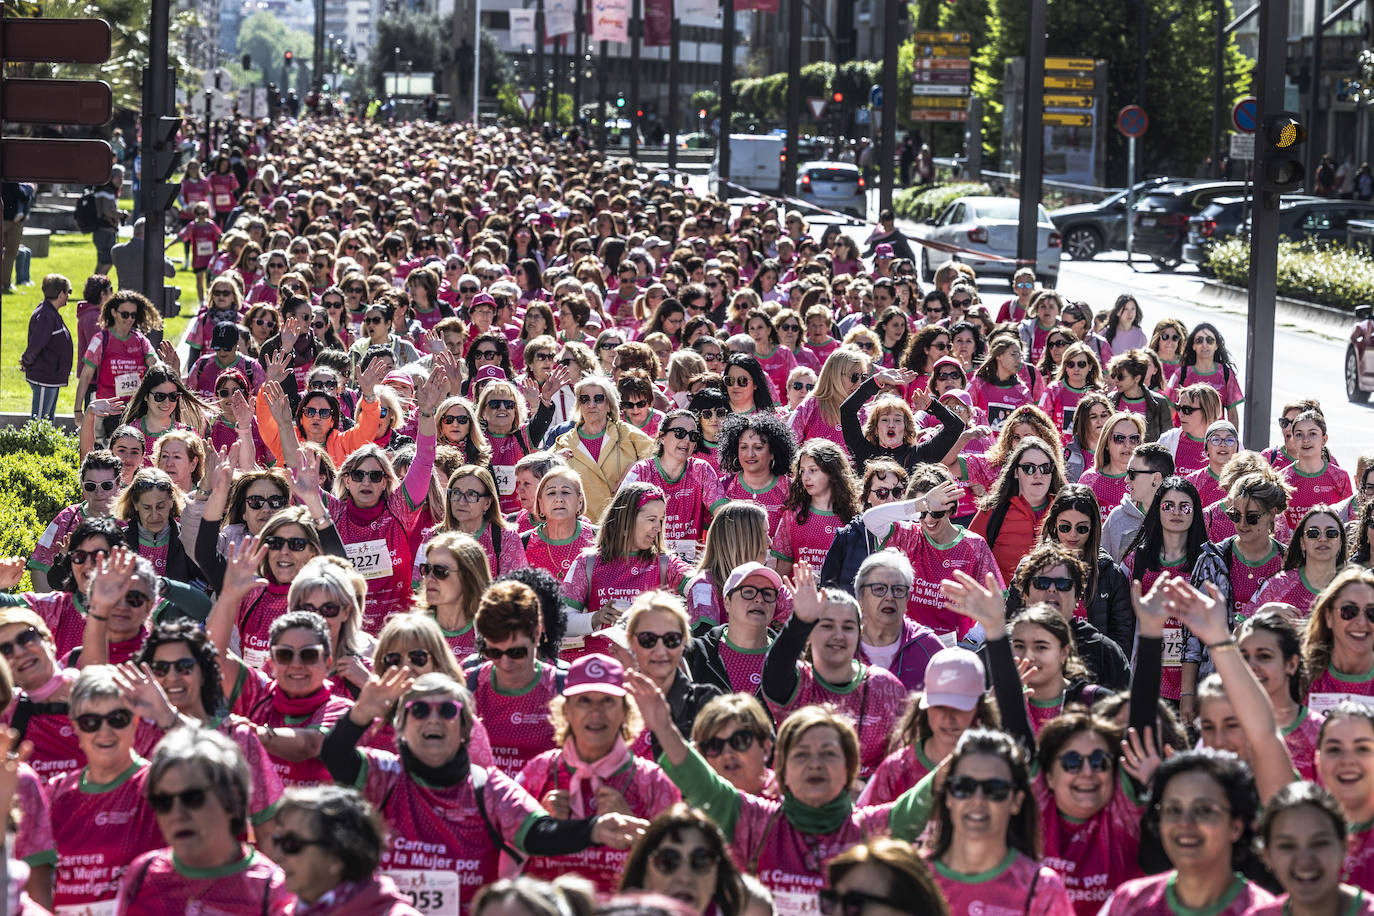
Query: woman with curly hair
(891, 431)
(823, 497)
(756, 452)
(691, 484)
(929, 345)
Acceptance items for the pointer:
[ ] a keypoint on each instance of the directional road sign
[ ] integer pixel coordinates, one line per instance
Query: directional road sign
(939, 89)
(1245, 116)
(942, 38)
(1068, 118)
(1054, 100)
(1132, 121)
(1069, 63)
(939, 114)
(941, 63)
(1076, 83)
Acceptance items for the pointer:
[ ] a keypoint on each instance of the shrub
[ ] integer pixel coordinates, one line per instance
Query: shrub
(922, 203)
(39, 476)
(1332, 275)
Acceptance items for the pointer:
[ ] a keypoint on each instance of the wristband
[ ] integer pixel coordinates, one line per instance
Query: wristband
(1185, 693)
(427, 416)
(324, 521)
(1220, 645)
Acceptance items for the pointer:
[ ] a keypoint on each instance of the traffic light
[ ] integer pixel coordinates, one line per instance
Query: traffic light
(1282, 133)
(158, 196)
(86, 103)
(287, 58)
(620, 102)
(701, 112)
(839, 98)
(639, 113)
(247, 62)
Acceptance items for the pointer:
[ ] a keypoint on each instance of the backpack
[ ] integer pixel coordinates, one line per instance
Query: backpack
(87, 213)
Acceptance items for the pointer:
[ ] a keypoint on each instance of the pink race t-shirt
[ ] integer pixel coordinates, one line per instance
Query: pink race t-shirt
(1247, 580)
(257, 611)
(593, 583)
(744, 667)
(1019, 886)
(647, 791)
(777, 366)
(1288, 587)
(693, 497)
(1171, 684)
(203, 237)
(1093, 856)
(1223, 379)
(1108, 488)
(795, 541)
(1359, 857)
(33, 843)
(1301, 738)
(997, 400)
(1189, 455)
(64, 615)
(873, 700)
(158, 885)
(377, 541)
(1330, 485)
(770, 497)
(898, 772)
(1331, 687)
(1156, 894)
(809, 423)
(1060, 400)
(99, 830)
(1208, 488)
(252, 699)
(517, 721)
(936, 562)
(975, 476)
(118, 363)
(557, 556)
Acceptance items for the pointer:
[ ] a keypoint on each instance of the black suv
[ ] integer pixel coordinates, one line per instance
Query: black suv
(1090, 229)
(1161, 217)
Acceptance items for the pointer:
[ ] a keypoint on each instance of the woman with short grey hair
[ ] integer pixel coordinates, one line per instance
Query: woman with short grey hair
(888, 637)
(197, 787)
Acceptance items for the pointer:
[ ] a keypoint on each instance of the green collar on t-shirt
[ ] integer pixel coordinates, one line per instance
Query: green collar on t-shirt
(981, 877)
(222, 871)
(1176, 905)
(100, 788)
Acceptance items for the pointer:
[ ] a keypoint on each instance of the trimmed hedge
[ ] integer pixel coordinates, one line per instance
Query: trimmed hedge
(922, 203)
(39, 476)
(1333, 275)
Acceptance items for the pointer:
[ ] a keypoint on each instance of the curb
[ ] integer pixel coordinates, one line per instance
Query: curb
(1321, 319)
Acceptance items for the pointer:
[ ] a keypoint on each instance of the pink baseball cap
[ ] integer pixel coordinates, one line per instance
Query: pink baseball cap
(959, 395)
(955, 677)
(489, 372)
(750, 569)
(595, 673)
(950, 362)
(883, 251)
(397, 377)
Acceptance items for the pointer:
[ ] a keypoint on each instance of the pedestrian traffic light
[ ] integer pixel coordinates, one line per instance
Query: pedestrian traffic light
(86, 103)
(620, 102)
(1283, 172)
(701, 112)
(158, 196)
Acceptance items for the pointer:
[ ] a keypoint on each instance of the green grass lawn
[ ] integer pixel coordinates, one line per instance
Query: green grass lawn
(73, 256)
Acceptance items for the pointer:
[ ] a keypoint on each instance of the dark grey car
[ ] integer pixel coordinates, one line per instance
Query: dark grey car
(1090, 229)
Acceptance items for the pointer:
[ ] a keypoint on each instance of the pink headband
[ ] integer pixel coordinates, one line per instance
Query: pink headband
(652, 495)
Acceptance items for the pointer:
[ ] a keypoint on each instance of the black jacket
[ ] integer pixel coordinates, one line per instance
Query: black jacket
(1108, 608)
(1107, 664)
(704, 661)
(861, 450)
(179, 565)
(852, 545)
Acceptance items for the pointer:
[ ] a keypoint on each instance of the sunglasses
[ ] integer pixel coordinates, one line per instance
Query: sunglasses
(182, 666)
(1183, 507)
(127, 316)
(265, 323)
(285, 655)
(1204, 340)
(1045, 583)
(373, 319)
(1030, 468)
(163, 397)
(1285, 422)
(293, 844)
(358, 476)
(962, 787)
(330, 609)
(1169, 336)
(1186, 410)
(119, 719)
(486, 356)
(135, 600)
(648, 640)
(681, 433)
(585, 399)
(852, 903)
(803, 386)
(739, 742)
(295, 545)
(790, 328)
(447, 709)
(81, 557)
(882, 492)
(712, 413)
(228, 392)
(1251, 518)
(738, 381)
(857, 377)
(515, 653)
(1072, 761)
(936, 514)
(1133, 473)
(668, 860)
(1070, 528)
(539, 357)
(105, 485)
(316, 413)
(355, 290)
(961, 302)
(1074, 364)
(1314, 533)
(501, 404)
(1122, 438)
(1351, 611)
(949, 375)
(634, 405)
(418, 658)
(191, 799)
(22, 641)
(271, 502)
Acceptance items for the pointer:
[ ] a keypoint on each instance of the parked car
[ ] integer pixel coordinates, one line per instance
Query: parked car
(989, 224)
(1359, 356)
(1225, 217)
(834, 186)
(1161, 217)
(1321, 218)
(1090, 229)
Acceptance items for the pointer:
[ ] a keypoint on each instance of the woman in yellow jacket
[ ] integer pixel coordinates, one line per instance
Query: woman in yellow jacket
(600, 446)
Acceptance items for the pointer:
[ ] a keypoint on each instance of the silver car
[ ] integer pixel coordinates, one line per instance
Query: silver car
(834, 186)
(989, 224)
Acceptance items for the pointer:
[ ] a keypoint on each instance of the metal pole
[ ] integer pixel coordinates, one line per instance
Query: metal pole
(476, 59)
(727, 96)
(1130, 201)
(794, 95)
(636, 24)
(1218, 83)
(674, 91)
(557, 80)
(1032, 135)
(1316, 145)
(317, 63)
(887, 145)
(158, 100)
(1143, 41)
(540, 77)
(1264, 232)
(209, 142)
(605, 102)
(974, 139)
(580, 53)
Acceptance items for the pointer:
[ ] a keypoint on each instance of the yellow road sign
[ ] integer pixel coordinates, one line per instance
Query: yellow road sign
(1077, 83)
(940, 101)
(937, 50)
(1069, 63)
(1054, 100)
(1068, 119)
(942, 38)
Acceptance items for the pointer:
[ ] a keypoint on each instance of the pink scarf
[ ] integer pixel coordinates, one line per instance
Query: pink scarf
(593, 774)
(298, 707)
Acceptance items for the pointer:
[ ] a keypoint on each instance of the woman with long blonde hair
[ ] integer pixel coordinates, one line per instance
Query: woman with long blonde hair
(818, 416)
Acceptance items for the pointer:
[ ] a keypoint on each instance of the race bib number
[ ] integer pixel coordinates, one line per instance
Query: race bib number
(255, 658)
(684, 548)
(1322, 703)
(370, 558)
(222, 201)
(49, 535)
(950, 639)
(505, 478)
(1173, 647)
(126, 383)
(434, 893)
(204, 248)
(103, 908)
(796, 903)
(1067, 425)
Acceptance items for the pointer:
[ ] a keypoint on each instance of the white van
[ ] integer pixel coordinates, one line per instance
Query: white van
(755, 162)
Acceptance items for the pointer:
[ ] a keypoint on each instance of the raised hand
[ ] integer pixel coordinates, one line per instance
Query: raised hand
(371, 377)
(653, 706)
(945, 496)
(980, 603)
(305, 481)
(11, 571)
(277, 366)
(559, 377)
(434, 341)
(242, 410)
(352, 669)
(108, 407)
(530, 389)
(278, 404)
(168, 351)
(618, 831)
(894, 378)
(143, 693)
(110, 582)
(242, 562)
(1205, 615)
(291, 330)
(807, 602)
(921, 399)
(1139, 757)
(1152, 609)
(431, 394)
(381, 693)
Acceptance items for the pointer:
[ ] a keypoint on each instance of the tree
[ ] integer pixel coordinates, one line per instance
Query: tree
(266, 39)
(420, 38)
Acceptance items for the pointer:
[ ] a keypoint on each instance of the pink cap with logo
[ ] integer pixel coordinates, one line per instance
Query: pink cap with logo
(955, 677)
(595, 673)
(741, 573)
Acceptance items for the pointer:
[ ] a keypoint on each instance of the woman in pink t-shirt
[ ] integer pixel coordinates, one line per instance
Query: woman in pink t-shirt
(777, 361)
(198, 788)
(560, 534)
(1197, 407)
(453, 576)
(1107, 479)
(1304, 836)
(823, 498)
(1270, 645)
(1338, 651)
(756, 452)
(1205, 360)
(818, 415)
(1343, 767)
(1315, 478)
(690, 483)
(1314, 557)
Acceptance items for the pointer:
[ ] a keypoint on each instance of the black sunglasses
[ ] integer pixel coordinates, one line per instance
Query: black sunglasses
(739, 742)
(293, 844)
(1351, 611)
(22, 641)
(1315, 532)
(514, 653)
(1031, 468)
(1069, 528)
(667, 860)
(965, 786)
(1058, 583)
(1072, 761)
(447, 709)
(330, 609)
(358, 476)
(648, 640)
(90, 722)
(105, 485)
(191, 799)
(182, 666)
(81, 557)
(295, 545)
(271, 502)
(1251, 518)
(418, 658)
(683, 433)
(285, 655)
(1133, 473)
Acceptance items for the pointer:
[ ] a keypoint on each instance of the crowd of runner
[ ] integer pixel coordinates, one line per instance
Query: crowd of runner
(515, 531)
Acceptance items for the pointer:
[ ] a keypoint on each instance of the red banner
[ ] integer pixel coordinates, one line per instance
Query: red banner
(658, 23)
(763, 6)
